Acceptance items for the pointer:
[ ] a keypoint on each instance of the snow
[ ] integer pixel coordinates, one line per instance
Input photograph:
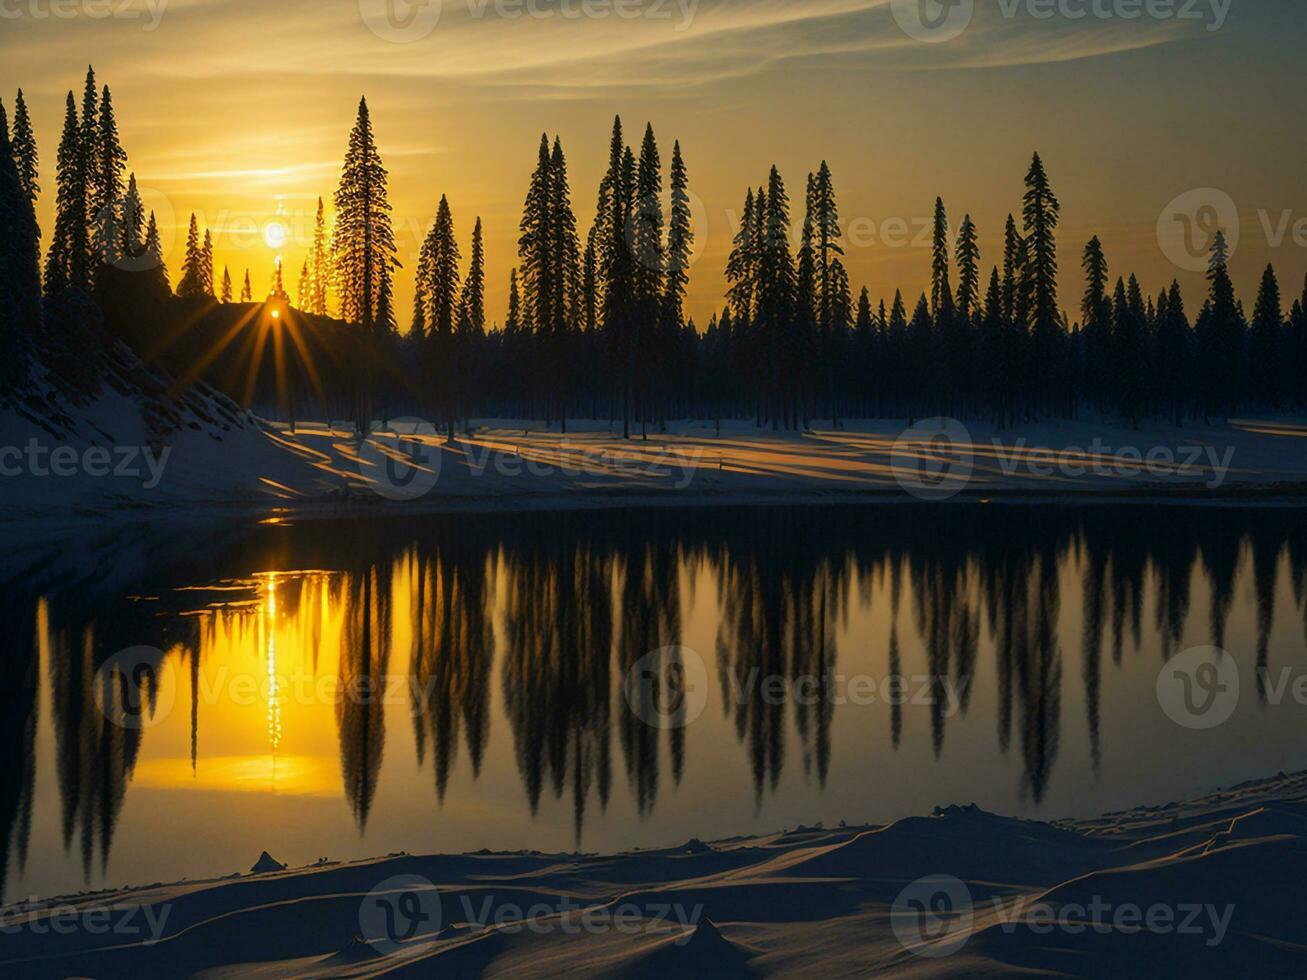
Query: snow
(232, 459)
(1211, 887)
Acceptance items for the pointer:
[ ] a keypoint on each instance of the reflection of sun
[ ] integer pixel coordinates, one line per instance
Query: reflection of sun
(274, 233)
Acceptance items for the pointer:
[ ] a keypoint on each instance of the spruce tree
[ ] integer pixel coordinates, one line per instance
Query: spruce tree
(473, 301)
(1041, 212)
(319, 265)
(20, 279)
(206, 264)
(192, 281)
(131, 239)
(680, 241)
(24, 150)
(67, 259)
(968, 256)
(247, 294)
(826, 241)
(364, 242)
(226, 286)
(1101, 369)
(1265, 358)
(941, 293)
(154, 252)
(106, 182)
(777, 283)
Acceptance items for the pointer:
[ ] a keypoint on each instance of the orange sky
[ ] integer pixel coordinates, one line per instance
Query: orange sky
(240, 110)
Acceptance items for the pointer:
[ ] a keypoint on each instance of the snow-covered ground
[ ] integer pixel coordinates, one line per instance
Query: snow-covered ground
(1210, 888)
(108, 460)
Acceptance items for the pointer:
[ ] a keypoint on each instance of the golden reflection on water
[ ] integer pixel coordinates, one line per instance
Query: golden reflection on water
(483, 676)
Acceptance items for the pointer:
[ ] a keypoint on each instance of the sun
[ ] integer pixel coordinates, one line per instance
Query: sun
(274, 233)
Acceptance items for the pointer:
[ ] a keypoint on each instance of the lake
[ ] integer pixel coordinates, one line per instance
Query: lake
(178, 698)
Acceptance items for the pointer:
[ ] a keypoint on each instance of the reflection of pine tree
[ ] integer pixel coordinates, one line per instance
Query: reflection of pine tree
(360, 711)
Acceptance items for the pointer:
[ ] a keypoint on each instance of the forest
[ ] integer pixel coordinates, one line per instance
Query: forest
(595, 325)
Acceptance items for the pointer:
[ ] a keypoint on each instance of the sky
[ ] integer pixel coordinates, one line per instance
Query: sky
(1157, 120)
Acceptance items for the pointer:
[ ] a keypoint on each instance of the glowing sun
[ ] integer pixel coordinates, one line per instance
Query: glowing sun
(274, 233)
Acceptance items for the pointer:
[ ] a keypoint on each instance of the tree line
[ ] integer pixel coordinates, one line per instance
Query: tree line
(596, 325)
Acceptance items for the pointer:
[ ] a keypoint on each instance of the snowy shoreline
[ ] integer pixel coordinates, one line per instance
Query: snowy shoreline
(1196, 888)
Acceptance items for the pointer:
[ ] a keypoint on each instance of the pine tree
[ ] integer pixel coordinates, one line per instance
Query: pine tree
(192, 281)
(364, 242)
(319, 265)
(513, 320)
(1220, 335)
(534, 245)
(473, 301)
(680, 241)
(226, 286)
(1174, 371)
(303, 291)
(105, 185)
(154, 251)
(941, 293)
(89, 161)
(826, 232)
(968, 256)
(740, 266)
(24, 150)
(777, 283)
(1041, 212)
(66, 261)
(131, 239)
(1265, 358)
(206, 264)
(1101, 371)
(20, 279)
(565, 254)
(247, 294)
(442, 288)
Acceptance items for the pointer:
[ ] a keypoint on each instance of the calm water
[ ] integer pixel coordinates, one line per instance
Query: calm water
(353, 688)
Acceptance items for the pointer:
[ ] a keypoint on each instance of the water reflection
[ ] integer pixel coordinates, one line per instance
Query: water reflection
(538, 619)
